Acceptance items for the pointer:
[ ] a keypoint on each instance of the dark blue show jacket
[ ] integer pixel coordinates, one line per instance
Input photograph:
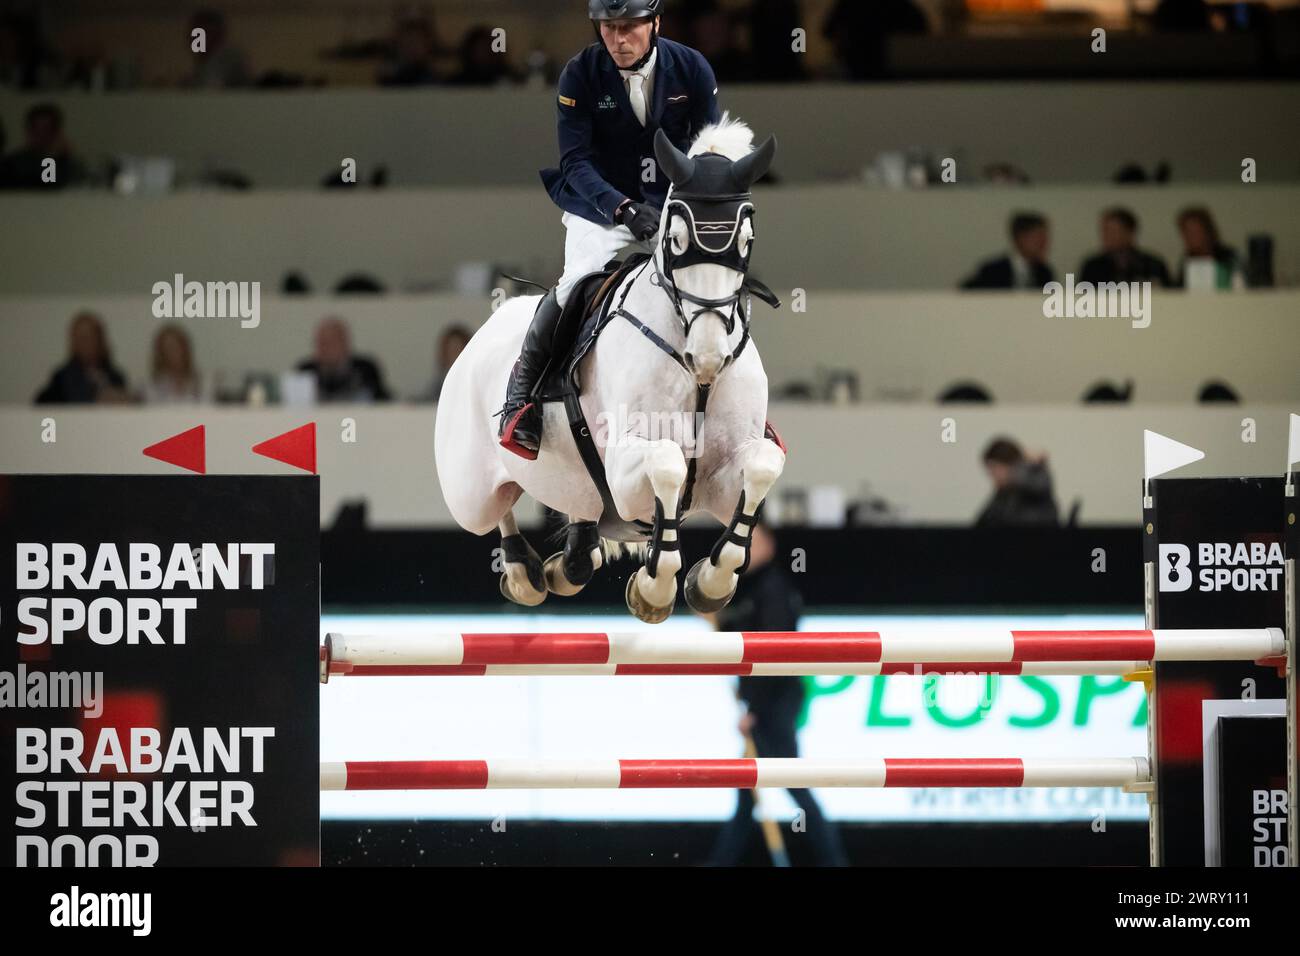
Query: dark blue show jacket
(603, 146)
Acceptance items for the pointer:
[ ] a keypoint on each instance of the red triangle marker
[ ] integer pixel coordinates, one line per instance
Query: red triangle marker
(186, 450)
(297, 448)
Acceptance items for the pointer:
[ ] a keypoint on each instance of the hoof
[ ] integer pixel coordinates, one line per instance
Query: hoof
(529, 598)
(638, 606)
(533, 590)
(697, 599)
(556, 582)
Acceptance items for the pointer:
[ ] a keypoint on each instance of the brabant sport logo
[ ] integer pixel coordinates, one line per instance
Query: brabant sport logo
(1220, 566)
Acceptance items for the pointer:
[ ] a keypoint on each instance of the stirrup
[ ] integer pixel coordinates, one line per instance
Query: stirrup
(508, 439)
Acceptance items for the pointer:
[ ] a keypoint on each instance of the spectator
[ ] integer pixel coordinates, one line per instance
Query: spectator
(860, 33)
(450, 344)
(88, 375)
(771, 27)
(173, 378)
(765, 600)
(44, 139)
(1026, 266)
(411, 60)
(340, 375)
(480, 65)
(220, 65)
(1022, 489)
(1120, 260)
(1201, 241)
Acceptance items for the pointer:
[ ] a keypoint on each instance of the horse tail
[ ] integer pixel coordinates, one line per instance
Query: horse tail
(613, 550)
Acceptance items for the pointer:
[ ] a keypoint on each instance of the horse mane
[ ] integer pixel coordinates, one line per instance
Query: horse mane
(731, 137)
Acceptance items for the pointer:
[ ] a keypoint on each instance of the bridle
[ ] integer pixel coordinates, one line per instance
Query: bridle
(714, 225)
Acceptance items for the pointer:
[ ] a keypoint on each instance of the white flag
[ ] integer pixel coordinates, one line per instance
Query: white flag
(1161, 454)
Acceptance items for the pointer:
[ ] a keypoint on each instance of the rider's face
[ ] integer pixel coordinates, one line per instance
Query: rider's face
(627, 40)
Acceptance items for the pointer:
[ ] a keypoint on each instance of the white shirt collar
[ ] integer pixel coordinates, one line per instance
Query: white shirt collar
(646, 68)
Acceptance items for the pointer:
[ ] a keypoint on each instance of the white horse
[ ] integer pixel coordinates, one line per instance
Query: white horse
(642, 399)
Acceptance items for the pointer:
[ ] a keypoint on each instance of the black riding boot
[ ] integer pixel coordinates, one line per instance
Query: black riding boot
(521, 418)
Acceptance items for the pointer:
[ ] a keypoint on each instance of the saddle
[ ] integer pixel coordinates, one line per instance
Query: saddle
(585, 315)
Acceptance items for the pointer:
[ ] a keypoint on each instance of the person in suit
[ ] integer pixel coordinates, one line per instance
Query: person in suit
(1120, 260)
(342, 376)
(1026, 266)
(612, 98)
(766, 600)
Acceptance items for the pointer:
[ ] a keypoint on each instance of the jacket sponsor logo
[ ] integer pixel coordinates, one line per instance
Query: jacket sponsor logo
(1221, 566)
(608, 103)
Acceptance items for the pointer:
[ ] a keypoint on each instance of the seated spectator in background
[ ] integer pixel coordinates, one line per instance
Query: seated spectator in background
(772, 57)
(860, 30)
(712, 31)
(1026, 266)
(1201, 241)
(220, 65)
(43, 139)
(340, 375)
(1120, 260)
(450, 344)
(173, 379)
(1022, 488)
(411, 62)
(480, 65)
(88, 375)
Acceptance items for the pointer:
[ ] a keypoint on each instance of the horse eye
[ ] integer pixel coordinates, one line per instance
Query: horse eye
(679, 237)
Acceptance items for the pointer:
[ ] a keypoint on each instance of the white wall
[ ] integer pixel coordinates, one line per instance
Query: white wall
(813, 237)
(1058, 132)
(897, 453)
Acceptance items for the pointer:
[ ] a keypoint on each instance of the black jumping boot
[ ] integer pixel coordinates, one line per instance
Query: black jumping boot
(521, 418)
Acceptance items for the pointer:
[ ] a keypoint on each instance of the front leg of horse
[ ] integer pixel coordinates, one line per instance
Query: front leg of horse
(711, 582)
(652, 590)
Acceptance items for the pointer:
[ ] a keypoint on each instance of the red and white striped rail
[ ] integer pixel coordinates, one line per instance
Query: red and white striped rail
(775, 653)
(1128, 772)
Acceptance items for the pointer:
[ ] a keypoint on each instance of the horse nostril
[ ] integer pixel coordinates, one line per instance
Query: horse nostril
(690, 360)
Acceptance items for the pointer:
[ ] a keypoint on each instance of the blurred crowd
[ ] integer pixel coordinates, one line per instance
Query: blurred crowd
(746, 42)
(1207, 261)
(333, 371)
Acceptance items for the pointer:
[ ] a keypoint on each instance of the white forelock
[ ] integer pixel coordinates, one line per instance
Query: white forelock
(731, 137)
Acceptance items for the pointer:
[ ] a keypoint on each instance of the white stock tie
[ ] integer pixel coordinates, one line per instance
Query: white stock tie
(636, 93)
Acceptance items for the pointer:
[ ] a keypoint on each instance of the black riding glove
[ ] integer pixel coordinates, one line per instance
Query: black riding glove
(641, 218)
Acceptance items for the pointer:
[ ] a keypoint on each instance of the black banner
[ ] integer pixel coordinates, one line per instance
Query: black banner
(158, 691)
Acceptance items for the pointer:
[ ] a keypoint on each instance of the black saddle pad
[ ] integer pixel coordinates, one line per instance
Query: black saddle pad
(579, 327)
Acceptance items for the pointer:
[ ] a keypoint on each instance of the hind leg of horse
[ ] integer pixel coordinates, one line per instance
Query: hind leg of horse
(523, 580)
(652, 590)
(568, 571)
(711, 583)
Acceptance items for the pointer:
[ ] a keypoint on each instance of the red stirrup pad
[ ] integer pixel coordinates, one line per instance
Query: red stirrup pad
(508, 437)
(771, 434)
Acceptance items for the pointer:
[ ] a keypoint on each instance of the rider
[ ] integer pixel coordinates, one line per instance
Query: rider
(613, 96)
